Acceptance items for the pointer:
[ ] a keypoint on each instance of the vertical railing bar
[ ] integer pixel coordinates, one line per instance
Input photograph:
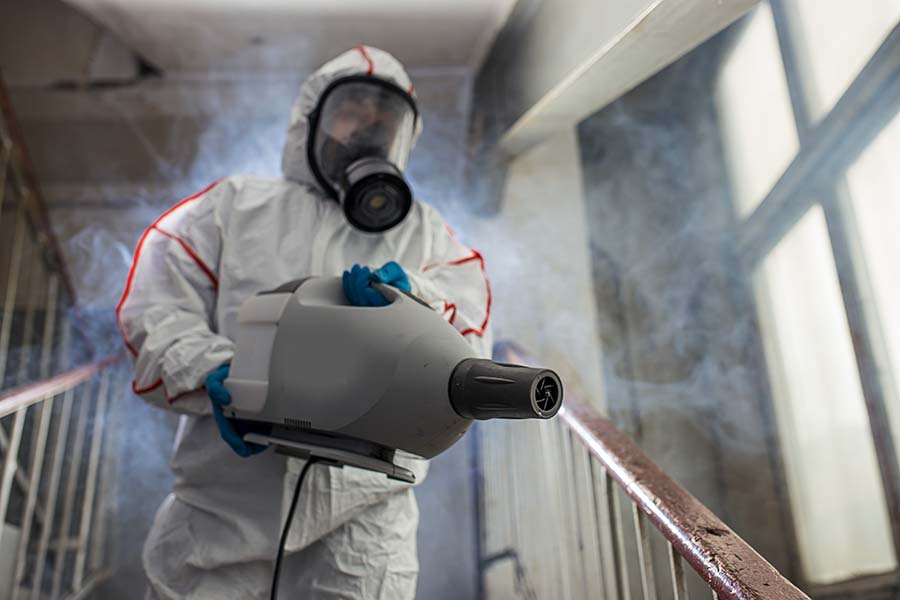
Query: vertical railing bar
(567, 503)
(5, 149)
(502, 532)
(554, 453)
(56, 470)
(29, 284)
(551, 478)
(71, 488)
(40, 445)
(605, 529)
(535, 574)
(676, 566)
(10, 464)
(105, 477)
(512, 488)
(18, 475)
(519, 537)
(573, 506)
(587, 519)
(497, 485)
(620, 541)
(87, 506)
(556, 458)
(487, 462)
(59, 449)
(645, 556)
(32, 291)
(12, 289)
(501, 478)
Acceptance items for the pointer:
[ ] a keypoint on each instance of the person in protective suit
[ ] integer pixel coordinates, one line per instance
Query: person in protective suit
(343, 202)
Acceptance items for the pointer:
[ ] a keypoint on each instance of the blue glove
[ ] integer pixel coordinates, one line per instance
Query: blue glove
(393, 274)
(357, 283)
(220, 397)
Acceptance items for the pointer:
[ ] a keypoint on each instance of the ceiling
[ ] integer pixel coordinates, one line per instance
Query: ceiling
(224, 35)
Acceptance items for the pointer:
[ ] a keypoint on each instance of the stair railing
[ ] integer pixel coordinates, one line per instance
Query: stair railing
(575, 509)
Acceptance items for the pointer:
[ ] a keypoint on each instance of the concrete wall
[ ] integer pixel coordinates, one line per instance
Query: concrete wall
(537, 256)
(683, 362)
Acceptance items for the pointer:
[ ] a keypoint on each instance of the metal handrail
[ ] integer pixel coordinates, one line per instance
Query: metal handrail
(74, 486)
(722, 558)
(26, 395)
(729, 565)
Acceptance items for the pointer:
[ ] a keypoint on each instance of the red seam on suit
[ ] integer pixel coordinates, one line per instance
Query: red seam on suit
(479, 331)
(192, 254)
(149, 388)
(137, 254)
(451, 308)
(362, 50)
(475, 256)
(156, 384)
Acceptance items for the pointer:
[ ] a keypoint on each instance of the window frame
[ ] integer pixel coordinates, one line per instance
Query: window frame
(817, 175)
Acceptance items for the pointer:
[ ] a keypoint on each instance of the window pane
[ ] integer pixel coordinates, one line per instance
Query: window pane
(836, 38)
(837, 498)
(875, 191)
(758, 129)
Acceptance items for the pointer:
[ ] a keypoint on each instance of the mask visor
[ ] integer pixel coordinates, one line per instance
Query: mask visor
(361, 119)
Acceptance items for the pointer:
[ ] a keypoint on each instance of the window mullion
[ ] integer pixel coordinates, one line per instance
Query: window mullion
(851, 283)
(826, 151)
(793, 69)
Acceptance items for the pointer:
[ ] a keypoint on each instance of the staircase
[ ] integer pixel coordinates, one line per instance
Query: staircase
(54, 489)
(570, 508)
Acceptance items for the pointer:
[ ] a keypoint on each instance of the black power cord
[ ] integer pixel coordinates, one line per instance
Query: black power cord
(287, 526)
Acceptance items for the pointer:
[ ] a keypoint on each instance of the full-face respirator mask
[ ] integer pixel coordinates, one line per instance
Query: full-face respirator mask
(361, 133)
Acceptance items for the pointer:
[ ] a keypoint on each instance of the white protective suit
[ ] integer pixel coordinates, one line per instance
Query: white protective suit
(215, 536)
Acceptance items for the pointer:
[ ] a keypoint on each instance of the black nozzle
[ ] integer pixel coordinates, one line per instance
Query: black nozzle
(483, 389)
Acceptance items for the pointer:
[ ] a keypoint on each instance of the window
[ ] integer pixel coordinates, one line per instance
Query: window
(824, 252)
(755, 107)
(874, 182)
(842, 530)
(836, 39)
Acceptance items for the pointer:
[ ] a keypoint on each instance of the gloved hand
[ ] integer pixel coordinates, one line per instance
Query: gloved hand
(357, 283)
(393, 274)
(220, 397)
